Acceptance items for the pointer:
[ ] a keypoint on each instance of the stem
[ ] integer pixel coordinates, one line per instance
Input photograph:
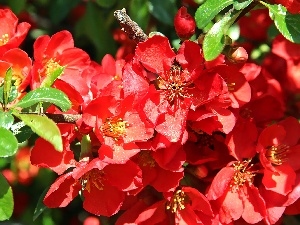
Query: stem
(60, 118)
(246, 10)
(131, 28)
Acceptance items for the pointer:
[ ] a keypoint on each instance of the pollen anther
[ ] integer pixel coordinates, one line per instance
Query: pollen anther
(4, 39)
(115, 128)
(177, 202)
(277, 154)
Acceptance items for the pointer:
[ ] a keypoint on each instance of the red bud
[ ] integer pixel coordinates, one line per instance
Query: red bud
(184, 24)
(237, 55)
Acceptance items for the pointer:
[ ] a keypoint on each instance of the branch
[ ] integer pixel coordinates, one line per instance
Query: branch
(57, 118)
(131, 28)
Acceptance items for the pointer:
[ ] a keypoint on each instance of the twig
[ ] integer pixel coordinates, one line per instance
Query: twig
(131, 28)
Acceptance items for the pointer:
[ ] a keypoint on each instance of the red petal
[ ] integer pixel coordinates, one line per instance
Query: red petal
(281, 182)
(62, 191)
(43, 154)
(155, 54)
(254, 205)
(104, 202)
(220, 183)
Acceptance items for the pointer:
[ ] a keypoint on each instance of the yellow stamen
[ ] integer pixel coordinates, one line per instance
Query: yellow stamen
(4, 39)
(115, 128)
(177, 202)
(277, 154)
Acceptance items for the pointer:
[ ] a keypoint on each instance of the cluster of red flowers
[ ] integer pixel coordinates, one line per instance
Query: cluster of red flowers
(167, 137)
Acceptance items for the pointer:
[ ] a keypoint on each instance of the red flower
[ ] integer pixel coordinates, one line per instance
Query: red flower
(118, 127)
(58, 51)
(293, 6)
(11, 33)
(102, 186)
(233, 195)
(184, 24)
(20, 63)
(279, 154)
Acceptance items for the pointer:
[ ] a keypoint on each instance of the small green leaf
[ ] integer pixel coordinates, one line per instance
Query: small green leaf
(8, 143)
(238, 5)
(21, 131)
(40, 207)
(286, 23)
(6, 119)
(106, 3)
(49, 80)
(6, 199)
(45, 94)
(7, 85)
(214, 40)
(12, 96)
(207, 11)
(44, 127)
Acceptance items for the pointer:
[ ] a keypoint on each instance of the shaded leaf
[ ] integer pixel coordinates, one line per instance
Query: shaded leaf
(59, 9)
(7, 85)
(6, 199)
(40, 207)
(158, 9)
(241, 5)
(207, 11)
(44, 127)
(45, 94)
(49, 80)
(6, 119)
(286, 23)
(8, 143)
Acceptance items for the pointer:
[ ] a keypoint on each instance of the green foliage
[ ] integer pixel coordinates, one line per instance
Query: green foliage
(6, 198)
(158, 9)
(106, 3)
(44, 127)
(286, 23)
(6, 119)
(40, 207)
(45, 94)
(59, 9)
(8, 143)
(138, 10)
(207, 11)
(49, 80)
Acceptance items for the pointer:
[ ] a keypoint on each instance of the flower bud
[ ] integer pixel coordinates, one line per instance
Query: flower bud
(184, 24)
(237, 55)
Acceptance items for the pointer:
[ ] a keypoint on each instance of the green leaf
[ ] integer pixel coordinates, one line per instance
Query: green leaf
(17, 5)
(7, 85)
(45, 94)
(286, 23)
(49, 80)
(6, 199)
(6, 119)
(59, 9)
(238, 5)
(214, 40)
(40, 207)
(164, 10)
(106, 3)
(44, 127)
(8, 143)
(21, 131)
(207, 11)
(138, 12)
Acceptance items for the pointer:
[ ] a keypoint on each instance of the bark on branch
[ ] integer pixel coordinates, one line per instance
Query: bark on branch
(131, 28)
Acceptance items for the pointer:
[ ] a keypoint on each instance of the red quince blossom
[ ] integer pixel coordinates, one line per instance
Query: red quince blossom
(233, 195)
(58, 51)
(11, 33)
(161, 179)
(279, 154)
(43, 154)
(186, 206)
(118, 127)
(184, 24)
(20, 63)
(254, 25)
(101, 184)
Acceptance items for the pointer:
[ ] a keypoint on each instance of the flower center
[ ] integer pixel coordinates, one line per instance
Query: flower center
(277, 154)
(4, 39)
(51, 66)
(93, 177)
(242, 174)
(145, 159)
(174, 85)
(177, 202)
(115, 128)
